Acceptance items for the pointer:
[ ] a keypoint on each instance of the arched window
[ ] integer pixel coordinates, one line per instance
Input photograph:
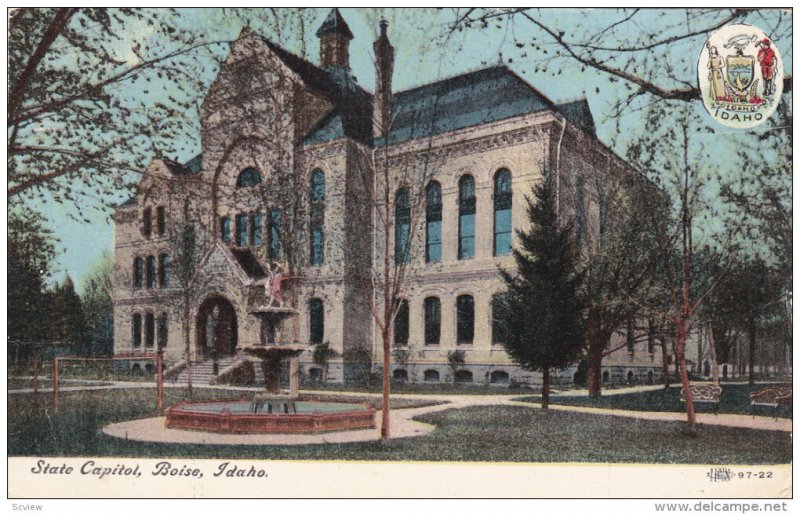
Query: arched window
(163, 265)
(463, 376)
(400, 375)
(150, 271)
(402, 226)
(433, 223)
(163, 330)
(401, 324)
(138, 272)
(433, 320)
(136, 330)
(225, 229)
(315, 374)
(241, 229)
(502, 212)
(275, 249)
(317, 186)
(149, 329)
(317, 218)
(465, 319)
(161, 220)
(606, 377)
(630, 336)
(248, 177)
(255, 229)
(316, 321)
(499, 321)
(431, 375)
(147, 222)
(466, 217)
(498, 377)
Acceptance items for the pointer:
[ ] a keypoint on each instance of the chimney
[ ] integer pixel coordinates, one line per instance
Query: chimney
(384, 67)
(334, 41)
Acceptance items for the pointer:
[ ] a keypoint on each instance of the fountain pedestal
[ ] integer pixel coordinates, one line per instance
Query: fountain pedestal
(272, 357)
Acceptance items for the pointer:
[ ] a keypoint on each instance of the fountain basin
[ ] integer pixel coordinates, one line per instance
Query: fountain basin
(244, 417)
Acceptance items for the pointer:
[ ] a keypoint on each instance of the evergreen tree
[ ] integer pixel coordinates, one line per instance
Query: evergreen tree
(66, 323)
(98, 306)
(543, 310)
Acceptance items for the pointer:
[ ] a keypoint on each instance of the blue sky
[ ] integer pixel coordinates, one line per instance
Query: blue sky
(424, 54)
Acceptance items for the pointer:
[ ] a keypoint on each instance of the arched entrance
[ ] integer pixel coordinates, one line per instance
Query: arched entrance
(216, 328)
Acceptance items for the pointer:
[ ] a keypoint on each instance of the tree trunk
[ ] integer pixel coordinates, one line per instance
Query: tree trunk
(386, 334)
(712, 347)
(545, 388)
(595, 358)
(681, 360)
(665, 363)
(751, 333)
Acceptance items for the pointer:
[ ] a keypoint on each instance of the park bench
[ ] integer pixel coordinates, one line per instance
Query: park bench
(703, 394)
(772, 396)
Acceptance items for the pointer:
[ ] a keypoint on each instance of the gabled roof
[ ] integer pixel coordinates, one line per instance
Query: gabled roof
(249, 263)
(579, 114)
(353, 104)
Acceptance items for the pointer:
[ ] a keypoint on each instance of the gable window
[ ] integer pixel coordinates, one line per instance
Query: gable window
(502, 212)
(465, 319)
(147, 222)
(150, 271)
(433, 320)
(149, 329)
(317, 217)
(162, 330)
(136, 329)
(225, 229)
(401, 324)
(241, 230)
(248, 177)
(316, 320)
(466, 217)
(499, 322)
(275, 250)
(161, 220)
(433, 223)
(163, 265)
(402, 226)
(138, 272)
(255, 229)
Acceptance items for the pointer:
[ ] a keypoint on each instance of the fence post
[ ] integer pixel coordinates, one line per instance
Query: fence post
(55, 384)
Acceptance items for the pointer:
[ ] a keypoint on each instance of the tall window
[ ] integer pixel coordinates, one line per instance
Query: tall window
(433, 320)
(248, 177)
(151, 271)
(465, 319)
(433, 223)
(466, 217)
(316, 320)
(138, 272)
(317, 218)
(161, 220)
(275, 250)
(137, 330)
(255, 229)
(163, 265)
(630, 337)
(225, 229)
(402, 226)
(149, 329)
(499, 322)
(241, 229)
(162, 330)
(401, 324)
(502, 212)
(147, 222)
(651, 343)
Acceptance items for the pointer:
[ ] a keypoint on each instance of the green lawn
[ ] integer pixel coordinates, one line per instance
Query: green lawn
(735, 399)
(513, 434)
(423, 388)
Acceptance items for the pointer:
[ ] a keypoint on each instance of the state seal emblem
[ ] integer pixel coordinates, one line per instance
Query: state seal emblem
(740, 74)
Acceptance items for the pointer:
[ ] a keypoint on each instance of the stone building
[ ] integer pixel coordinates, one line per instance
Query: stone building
(291, 184)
